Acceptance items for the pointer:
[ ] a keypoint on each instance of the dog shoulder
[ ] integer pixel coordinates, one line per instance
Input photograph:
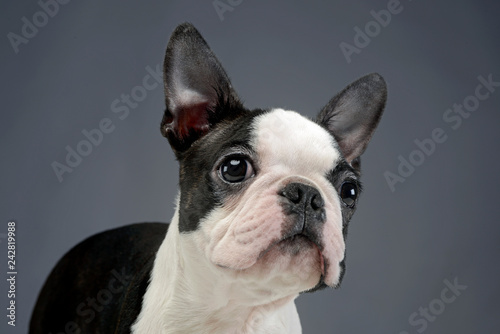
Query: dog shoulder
(98, 278)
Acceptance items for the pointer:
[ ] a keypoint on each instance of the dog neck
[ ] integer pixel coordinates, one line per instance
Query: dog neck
(186, 295)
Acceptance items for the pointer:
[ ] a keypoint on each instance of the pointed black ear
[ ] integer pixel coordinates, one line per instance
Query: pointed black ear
(352, 115)
(198, 92)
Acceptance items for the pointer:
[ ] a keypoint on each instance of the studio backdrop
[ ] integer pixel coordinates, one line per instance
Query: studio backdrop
(81, 148)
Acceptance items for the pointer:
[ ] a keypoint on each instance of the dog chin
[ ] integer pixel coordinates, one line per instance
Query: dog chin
(294, 262)
(304, 254)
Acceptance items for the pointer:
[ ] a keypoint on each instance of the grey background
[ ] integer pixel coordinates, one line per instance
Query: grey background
(440, 224)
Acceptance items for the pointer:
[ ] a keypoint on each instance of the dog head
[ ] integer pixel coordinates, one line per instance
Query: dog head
(265, 195)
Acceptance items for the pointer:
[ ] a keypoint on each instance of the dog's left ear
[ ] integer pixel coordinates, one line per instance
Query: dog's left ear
(353, 114)
(198, 93)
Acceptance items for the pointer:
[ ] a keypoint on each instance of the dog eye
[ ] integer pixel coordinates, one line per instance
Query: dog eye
(236, 169)
(349, 193)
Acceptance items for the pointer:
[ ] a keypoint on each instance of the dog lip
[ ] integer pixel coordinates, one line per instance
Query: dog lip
(321, 259)
(292, 236)
(277, 241)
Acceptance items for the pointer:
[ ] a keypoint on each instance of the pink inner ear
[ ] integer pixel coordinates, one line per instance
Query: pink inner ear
(190, 118)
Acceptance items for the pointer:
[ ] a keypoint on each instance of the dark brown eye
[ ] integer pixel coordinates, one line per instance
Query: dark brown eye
(236, 169)
(349, 193)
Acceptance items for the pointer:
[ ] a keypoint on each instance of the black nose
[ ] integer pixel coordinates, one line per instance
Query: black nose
(303, 198)
(305, 212)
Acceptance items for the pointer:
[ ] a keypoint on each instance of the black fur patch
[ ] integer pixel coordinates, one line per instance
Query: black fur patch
(201, 191)
(341, 173)
(97, 287)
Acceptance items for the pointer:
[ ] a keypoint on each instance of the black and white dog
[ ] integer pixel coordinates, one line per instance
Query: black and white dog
(262, 214)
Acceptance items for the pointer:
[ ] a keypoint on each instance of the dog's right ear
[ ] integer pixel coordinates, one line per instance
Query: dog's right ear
(198, 93)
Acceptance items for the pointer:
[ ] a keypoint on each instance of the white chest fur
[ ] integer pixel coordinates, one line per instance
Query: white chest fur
(186, 296)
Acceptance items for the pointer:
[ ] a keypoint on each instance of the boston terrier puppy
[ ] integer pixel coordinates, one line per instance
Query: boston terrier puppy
(262, 213)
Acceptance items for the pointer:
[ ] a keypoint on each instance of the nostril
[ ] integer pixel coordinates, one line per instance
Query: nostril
(296, 196)
(293, 193)
(317, 202)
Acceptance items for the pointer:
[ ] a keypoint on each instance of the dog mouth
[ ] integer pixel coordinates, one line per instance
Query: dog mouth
(294, 245)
